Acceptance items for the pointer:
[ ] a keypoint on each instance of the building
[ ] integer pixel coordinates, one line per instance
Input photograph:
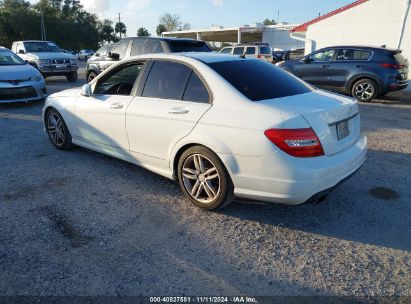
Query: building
(363, 22)
(276, 35)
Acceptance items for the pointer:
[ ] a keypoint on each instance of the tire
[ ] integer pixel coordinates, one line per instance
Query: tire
(91, 76)
(364, 90)
(57, 130)
(200, 168)
(72, 77)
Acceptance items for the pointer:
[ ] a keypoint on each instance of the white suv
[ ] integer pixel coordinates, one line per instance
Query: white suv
(256, 50)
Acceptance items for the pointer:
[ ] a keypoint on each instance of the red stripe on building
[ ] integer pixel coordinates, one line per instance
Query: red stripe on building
(303, 27)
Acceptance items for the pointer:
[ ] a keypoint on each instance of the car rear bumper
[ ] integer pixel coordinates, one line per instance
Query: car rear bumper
(288, 180)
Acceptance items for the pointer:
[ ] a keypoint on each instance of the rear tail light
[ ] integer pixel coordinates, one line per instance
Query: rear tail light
(392, 66)
(259, 56)
(296, 142)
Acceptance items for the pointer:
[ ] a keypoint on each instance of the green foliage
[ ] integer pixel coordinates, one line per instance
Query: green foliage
(269, 22)
(172, 23)
(143, 32)
(67, 24)
(120, 29)
(160, 29)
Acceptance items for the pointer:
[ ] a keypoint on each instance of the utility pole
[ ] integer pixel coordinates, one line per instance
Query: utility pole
(278, 16)
(43, 28)
(119, 22)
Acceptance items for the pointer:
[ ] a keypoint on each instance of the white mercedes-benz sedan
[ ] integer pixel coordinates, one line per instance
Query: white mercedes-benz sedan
(223, 126)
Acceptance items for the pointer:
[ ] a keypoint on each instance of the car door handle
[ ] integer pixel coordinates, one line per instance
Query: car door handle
(324, 66)
(116, 106)
(178, 111)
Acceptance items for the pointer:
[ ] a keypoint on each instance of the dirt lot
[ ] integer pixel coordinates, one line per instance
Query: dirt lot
(80, 223)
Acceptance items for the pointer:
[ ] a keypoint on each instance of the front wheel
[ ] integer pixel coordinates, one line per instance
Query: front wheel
(204, 179)
(91, 76)
(57, 130)
(364, 90)
(72, 77)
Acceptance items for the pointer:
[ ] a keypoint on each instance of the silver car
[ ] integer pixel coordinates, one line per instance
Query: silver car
(19, 82)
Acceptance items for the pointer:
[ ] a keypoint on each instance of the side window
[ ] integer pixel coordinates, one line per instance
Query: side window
(238, 51)
(121, 48)
(345, 55)
(19, 47)
(361, 55)
(326, 55)
(120, 81)
(250, 51)
(138, 46)
(226, 51)
(154, 46)
(166, 80)
(196, 90)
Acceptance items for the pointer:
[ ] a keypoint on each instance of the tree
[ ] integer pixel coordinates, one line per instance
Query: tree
(143, 32)
(269, 22)
(120, 29)
(106, 31)
(173, 23)
(160, 29)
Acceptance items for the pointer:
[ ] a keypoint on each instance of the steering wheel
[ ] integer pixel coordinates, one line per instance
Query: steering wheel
(124, 88)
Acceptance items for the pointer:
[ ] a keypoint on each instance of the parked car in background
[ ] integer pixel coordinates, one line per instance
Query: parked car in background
(99, 61)
(280, 55)
(361, 71)
(252, 50)
(48, 58)
(19, 81)
(85, 54)
(148, 45)
(267, 136)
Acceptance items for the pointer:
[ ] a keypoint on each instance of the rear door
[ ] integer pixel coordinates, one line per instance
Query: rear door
(171, 101)
(317, 69)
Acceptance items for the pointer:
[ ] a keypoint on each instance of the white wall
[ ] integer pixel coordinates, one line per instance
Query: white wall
(280, 39)
(375, 22)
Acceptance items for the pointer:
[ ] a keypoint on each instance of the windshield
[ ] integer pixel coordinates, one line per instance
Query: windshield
(189, 46)
(259, 80)
(41, 46)
(9, 58)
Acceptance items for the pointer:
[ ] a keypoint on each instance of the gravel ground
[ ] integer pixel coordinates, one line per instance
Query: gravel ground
(81, 223)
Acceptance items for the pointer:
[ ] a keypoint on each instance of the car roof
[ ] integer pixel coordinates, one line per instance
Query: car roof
(163, 38)
(364, 47)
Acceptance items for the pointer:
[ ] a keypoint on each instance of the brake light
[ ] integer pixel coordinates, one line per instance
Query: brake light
(259, 56)
(296, 142)
(392, 66)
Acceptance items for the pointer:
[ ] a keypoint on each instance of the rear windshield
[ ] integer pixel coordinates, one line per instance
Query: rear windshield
(265, 50)
(259, 80)
(189, 46)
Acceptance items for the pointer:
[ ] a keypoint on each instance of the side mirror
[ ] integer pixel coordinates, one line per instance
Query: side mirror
(114, 56)
(22, 52)
(305, 60)
(86, 90)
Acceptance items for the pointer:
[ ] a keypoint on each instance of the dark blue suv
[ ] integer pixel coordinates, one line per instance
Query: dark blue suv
(361, 71)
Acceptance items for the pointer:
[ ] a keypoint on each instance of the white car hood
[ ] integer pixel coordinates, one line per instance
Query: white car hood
(52, 55)
(17, 72)
(67, 93)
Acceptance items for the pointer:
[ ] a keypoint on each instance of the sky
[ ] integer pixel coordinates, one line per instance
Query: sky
(205, 13)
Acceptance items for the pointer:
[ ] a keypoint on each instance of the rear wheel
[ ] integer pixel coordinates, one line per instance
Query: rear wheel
(72, 77)
(364, 90)
(204, 180)
(57, 130)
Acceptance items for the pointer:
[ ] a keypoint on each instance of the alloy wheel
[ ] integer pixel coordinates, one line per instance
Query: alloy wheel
(55, 129)
(364, 91)
(201, 178)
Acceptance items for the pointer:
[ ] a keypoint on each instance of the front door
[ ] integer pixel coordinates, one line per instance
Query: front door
(101, 116)
(316, 70)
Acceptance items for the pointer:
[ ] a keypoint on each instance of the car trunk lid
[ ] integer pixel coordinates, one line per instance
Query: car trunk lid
(334, 118)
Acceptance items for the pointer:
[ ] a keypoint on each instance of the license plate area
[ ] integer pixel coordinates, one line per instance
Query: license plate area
(343, 129)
